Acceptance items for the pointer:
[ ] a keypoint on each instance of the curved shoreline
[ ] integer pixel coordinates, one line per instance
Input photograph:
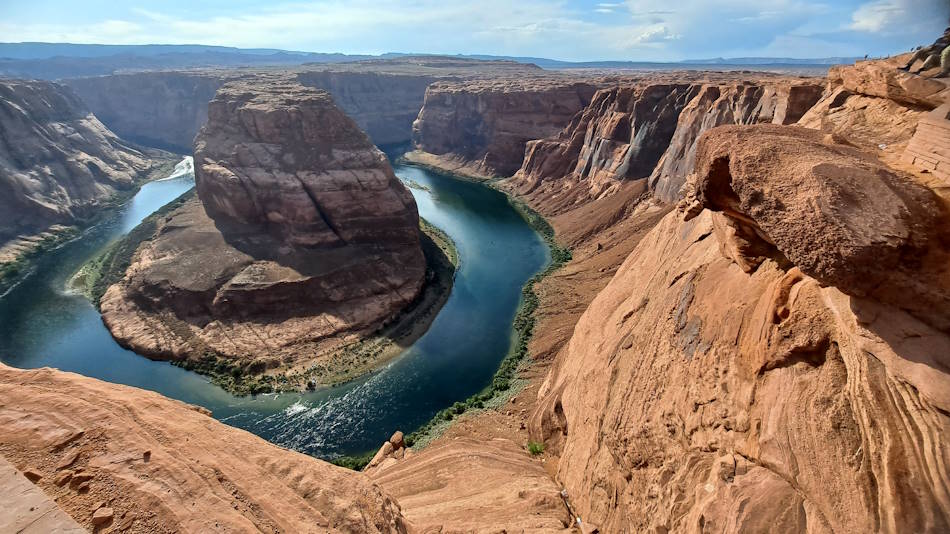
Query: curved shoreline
(504, 382)
(372, 351)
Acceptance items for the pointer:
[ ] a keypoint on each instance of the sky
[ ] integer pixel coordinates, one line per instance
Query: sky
(573, 30)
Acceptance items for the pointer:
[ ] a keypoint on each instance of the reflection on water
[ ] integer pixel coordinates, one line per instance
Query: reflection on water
(42, 325)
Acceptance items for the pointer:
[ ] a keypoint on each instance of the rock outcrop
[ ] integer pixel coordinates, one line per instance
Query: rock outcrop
(58, 163)
(480, 127)
(752, 365)
(302, 235)
(619, 136)
(159, 465)
(721, 104)
(873, 105)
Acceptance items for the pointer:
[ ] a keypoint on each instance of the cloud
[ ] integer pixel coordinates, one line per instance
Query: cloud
(894, 16)
(562, 29)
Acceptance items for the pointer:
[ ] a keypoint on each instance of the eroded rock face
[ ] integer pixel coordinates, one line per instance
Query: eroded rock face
(721, 104)
(753, 384)
(837, 214)
(485, 124)
(620, 135)
(163, 109)
(58, 163)
(137, 450)
(302, 234)
(285, 159)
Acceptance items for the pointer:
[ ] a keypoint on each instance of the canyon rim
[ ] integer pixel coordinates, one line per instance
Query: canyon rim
(499, 293)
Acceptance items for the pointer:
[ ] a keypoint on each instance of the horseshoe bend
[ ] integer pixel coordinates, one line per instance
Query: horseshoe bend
(254, 290)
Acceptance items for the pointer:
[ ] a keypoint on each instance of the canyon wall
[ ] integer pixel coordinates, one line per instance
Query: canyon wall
(619, 136)
(383, 105)
(58, 163)
(164, 109)
(722, 104)
(771, 356)
(302, 234)
(484, 125)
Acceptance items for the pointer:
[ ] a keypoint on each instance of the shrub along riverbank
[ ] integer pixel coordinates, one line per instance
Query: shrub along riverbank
(501, 383)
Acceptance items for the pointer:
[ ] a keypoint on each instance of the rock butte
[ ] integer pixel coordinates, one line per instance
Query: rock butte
(300, 233)
(729, 349)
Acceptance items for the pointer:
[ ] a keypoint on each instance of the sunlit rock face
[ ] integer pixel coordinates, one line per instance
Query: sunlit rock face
(300, 233)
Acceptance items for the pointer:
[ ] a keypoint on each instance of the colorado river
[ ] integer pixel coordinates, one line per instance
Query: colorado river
(43, 325)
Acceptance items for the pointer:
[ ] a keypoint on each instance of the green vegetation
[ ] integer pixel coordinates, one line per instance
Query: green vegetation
(523, 329)
(535, 448)
(236, 377)
(12, 271)
(356, 463)
(96, 275)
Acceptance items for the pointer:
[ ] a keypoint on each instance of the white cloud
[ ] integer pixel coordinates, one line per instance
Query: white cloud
(635, 29)
(899, 15)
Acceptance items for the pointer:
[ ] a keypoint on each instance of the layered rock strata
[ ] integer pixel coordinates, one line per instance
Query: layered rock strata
(301, 235)
(58, 163)
(167, 108)
(480, 128)
(159, 465)
(772, 357)
(717, 105)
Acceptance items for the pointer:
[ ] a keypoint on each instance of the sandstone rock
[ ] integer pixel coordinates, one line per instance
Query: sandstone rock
(695, 393)
(882, 79)
(58, 163)
(32, 476)
(302, 233)
(383, 453)
(486, 123)
(397, 440)
(68, 460)
(80, 478)
(716, 105)
(203, 476)
(102, 516)
(840, 216)
(474, 486)
(62, 478)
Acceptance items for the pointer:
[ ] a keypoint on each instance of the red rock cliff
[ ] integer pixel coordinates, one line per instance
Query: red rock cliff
(745, 370)
(302, 234)
(485, 124)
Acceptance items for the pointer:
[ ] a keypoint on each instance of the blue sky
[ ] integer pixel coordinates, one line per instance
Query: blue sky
(569, 29)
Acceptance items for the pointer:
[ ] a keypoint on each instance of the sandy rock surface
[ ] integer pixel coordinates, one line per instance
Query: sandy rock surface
(696, 393)
(159, 465)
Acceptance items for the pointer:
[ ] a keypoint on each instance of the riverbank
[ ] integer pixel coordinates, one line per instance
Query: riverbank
(341, 361)
(17, 256)
(446, 164)
(507, 380)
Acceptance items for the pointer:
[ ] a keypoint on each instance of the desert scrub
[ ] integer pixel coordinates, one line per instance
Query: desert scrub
(356, 463)
(535, 448)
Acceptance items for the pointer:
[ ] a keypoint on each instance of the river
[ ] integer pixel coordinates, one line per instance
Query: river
(41, 324)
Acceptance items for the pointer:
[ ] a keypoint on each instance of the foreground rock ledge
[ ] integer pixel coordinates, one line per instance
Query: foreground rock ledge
(301, 235)
(164, 466)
